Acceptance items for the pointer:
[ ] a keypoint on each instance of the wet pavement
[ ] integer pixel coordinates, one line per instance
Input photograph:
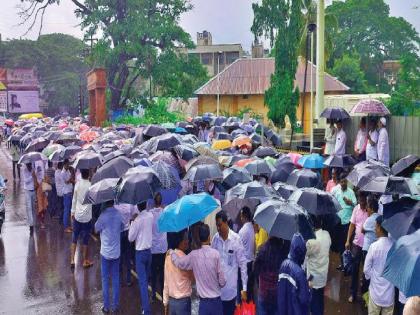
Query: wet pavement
(35, 274)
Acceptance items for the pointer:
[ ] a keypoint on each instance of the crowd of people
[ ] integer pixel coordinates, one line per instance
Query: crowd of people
(228, 261)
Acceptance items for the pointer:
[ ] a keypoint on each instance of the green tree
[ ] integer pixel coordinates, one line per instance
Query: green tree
(59, 63)
(365, 26)
(347, 70)
(178, 75)
(282, 97)
(407, 91)
(132, 36)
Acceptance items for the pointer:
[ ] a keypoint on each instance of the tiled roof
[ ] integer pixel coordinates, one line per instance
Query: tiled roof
(252, 76)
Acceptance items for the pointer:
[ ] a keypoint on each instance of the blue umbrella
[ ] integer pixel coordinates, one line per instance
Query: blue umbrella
(313, 160)
(181, 130)
(402, 267)
(186, 211)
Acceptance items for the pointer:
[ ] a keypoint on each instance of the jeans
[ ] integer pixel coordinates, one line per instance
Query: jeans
(266, 308)
(67, 199)
(210, 306)
(30, 206)
(143, 262)
(158, 262)
(357, 254)
(109, 269)
(126, 255)
(180, 306)
(317, 301)
(229, 307)
(52, 201)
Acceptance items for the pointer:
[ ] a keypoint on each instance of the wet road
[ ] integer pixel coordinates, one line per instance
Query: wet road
(35, 275)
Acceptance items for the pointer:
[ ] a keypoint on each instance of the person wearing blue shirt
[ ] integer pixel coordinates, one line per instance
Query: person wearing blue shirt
(110, 225)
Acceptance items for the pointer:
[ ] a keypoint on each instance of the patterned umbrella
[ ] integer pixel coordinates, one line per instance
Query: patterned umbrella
(37, 144)
(370, 107)
(166, 175)
(167, 157)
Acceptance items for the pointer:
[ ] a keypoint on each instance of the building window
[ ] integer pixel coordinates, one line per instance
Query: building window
(231, 57)
(245, 97)
(206, 59)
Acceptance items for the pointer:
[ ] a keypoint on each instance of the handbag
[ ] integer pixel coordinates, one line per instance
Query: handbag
(46, 187)
(245, 309)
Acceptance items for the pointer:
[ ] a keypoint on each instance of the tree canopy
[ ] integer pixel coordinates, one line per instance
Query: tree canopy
(132, 37)
(347, 70)
(58, 61)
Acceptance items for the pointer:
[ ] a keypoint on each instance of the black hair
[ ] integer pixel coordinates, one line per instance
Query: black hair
(158, 199)
(204, 233)
(372, 203)
(60, 165)
(175, 238)
(363, 120)
(85, 173)
(66, 161)
(317, 221)
(50, 163)
(343, 176)
(222, 215)
(361, 194)
(379, 221)
(142, 206)
(246, 212)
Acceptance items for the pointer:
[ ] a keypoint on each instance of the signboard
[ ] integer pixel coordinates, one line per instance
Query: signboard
(3, 75)
(21, 78)
(23, 101)
(3, 101)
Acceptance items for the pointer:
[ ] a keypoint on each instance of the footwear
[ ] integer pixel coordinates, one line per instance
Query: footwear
(351, 299)
(31, 230)
(104, 310)
(340, 268)
(87, 264)
(68, 230)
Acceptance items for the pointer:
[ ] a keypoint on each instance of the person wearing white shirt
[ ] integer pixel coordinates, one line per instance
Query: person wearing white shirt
(68, 180)
(383, 142)
(81, 215)
(29, 187)
(59, 183)
(232, 256)
(247, 235)
(140, 231)
(361, 141)
(340, 142)
(330, 138)
(371, 147)
(381, 291)
(317, 262)
(128, 212)
(159, 247)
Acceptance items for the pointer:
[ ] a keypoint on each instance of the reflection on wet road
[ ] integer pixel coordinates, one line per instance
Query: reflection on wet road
(35, 274)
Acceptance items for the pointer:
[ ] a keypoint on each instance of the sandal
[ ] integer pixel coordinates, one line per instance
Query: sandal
(87, 264)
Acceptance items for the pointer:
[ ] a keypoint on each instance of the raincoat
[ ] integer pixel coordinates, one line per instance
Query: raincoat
(293, 292)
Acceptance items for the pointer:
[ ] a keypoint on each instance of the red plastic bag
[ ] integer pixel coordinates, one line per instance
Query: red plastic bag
(245, 309)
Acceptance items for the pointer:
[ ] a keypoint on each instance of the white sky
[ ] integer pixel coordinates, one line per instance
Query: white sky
(229, 21)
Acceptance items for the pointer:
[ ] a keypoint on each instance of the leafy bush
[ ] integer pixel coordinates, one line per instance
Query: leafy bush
(155, 113)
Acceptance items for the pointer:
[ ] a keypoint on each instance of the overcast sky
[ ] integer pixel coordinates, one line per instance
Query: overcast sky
(229, 21)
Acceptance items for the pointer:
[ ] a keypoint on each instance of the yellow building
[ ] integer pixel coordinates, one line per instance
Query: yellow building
(242, 85)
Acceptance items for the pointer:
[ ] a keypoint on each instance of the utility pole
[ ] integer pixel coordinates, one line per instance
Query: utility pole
(219, 53)
(320, 60)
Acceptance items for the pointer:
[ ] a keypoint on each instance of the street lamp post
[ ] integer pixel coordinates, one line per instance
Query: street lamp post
(219, 53)
(311, 29)
(320, 61)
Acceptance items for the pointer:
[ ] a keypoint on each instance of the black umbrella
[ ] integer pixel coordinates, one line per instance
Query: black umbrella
(284, 190)
(260, 167)
(256, 138)
(166, 174)
(359, 177)
(87, 160)
(200, 160)
(32, 157)
(336, 113)
(105, 151)
(235, 175)
(283, 168)
(137, 187)
(316, 201)
(218, 121)
(283, 219)
(113, 169)
(189, 139)
(112, 155)
(103, 191)
(153, 131)
(37, 144)
(390, 185)
(204, 172)
(406, 165)
(185, 152)
(52, 135)
(247, 194)
(304, 178)
(216, 129)
(237, 132)
(164, 142)
(223, 136)
(340, 161)
(402, 217)
(57, 156)
(70, 151)
(138, 154)
(263, 152)
(275, 139)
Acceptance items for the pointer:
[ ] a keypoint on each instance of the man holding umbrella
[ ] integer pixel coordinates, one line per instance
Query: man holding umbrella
(232, 256)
